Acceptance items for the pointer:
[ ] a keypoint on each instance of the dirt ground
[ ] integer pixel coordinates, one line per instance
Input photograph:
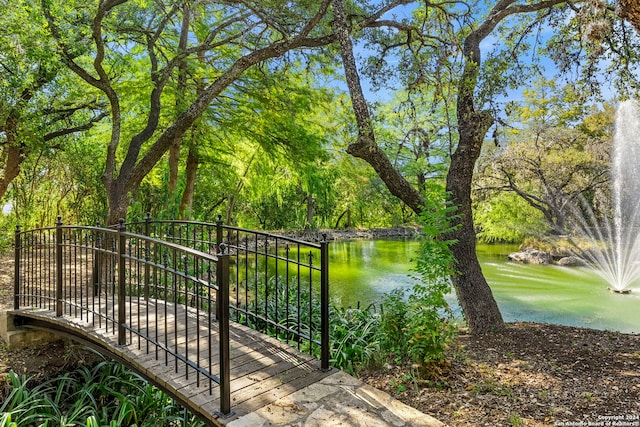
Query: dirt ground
(41, 362)
(529, 375)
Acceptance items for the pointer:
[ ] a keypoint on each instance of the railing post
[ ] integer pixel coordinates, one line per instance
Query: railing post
(59, 266)
(16, 273)
(219, 234)
(147, 251)
(97, 262)
(222, 279)
(122, 314)
(324, 304)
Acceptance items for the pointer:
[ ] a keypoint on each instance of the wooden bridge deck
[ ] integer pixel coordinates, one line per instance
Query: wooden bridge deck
(263, 369)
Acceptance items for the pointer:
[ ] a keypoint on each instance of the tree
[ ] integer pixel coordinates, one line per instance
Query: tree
(442, 46)
(39, 106)
(233, 38)
(133, 49)
(553, 160)
(502, 217)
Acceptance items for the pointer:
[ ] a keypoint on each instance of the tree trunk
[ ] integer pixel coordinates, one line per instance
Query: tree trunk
(118, 206)
(310, 212)
(174, 166)
(474, 295)
(366, 147)
(190, 183)
(12, 153)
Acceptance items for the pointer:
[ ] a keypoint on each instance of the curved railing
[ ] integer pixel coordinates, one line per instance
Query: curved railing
(140, 281)
(136, 288)
(278, 285)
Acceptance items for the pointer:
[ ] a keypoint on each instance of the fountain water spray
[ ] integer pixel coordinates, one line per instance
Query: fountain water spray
(615, 255)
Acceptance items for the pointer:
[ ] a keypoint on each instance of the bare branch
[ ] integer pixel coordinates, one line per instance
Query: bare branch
(62, 132)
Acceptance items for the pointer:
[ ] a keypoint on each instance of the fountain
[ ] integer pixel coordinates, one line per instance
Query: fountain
(614, 251)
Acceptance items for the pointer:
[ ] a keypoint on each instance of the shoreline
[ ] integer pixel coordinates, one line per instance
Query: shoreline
(355, 233)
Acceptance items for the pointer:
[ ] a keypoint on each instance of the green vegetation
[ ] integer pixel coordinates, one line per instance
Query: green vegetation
(557, 156)
(189, 109)
(107, 394)
(403, 330)
(183, 109)
(415, 327)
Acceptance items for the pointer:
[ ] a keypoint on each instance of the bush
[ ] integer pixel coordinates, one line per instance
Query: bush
(419, 327)
(105, 395)
(354, 338)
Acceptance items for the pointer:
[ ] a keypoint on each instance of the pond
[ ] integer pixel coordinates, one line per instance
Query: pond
(363, 270)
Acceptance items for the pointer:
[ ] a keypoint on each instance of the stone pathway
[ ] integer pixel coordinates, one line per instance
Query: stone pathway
(338, 400)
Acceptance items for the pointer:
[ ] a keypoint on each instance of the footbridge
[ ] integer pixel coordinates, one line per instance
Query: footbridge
(225, 320)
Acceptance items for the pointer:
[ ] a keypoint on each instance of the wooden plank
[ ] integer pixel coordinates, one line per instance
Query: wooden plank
(263, 369)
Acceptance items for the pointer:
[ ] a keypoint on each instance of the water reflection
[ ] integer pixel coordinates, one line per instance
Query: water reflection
(363, 270)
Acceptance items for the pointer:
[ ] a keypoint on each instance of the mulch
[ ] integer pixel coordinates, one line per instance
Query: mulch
(530, 374)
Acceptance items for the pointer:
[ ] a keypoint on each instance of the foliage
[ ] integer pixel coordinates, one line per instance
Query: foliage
(417, 327)
(107, 394)
(429, 327)
(355, 337)
(558, 154)
(394, 321)
(507, 218)
(435, 261)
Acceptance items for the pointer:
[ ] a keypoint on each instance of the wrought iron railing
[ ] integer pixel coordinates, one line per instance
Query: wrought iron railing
(139, 281)
(135, 287)
(278, 285)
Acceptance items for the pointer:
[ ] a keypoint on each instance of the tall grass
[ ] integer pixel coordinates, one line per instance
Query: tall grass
(107, 394)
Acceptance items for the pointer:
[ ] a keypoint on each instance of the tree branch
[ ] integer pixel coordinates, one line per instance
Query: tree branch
(62, 132)
(366, 147)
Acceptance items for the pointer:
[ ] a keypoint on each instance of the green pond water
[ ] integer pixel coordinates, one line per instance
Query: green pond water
(363, 270)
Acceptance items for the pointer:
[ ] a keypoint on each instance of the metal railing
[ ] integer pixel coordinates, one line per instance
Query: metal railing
(136, 288)
(278, 285)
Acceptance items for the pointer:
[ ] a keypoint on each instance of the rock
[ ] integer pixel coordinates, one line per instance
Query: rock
(559, 253)
(530, 256)
(571, 261)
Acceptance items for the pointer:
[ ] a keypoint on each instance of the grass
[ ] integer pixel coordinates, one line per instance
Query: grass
(107, 394)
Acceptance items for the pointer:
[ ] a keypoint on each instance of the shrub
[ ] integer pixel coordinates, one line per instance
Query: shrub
(107, 394)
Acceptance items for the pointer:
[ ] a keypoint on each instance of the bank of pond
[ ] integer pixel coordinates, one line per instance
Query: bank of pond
(361, 271)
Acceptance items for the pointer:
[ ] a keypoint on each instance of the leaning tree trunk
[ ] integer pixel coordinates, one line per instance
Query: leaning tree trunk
(474, 295)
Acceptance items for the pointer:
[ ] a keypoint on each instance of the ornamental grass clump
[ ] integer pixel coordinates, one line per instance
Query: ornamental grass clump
(107, 394)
